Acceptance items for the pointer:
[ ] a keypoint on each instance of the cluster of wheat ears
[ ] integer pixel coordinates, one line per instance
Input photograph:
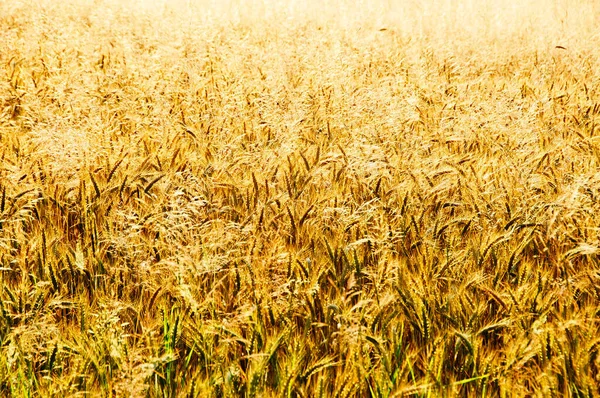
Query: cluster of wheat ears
(299, 198)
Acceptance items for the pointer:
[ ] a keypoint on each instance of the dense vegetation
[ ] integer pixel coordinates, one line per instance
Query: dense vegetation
(299, 199)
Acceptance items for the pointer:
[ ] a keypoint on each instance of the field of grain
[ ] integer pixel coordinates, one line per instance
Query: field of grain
(286, 198)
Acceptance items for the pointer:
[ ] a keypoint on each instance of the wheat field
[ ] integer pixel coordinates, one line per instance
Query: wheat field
(286, 198)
